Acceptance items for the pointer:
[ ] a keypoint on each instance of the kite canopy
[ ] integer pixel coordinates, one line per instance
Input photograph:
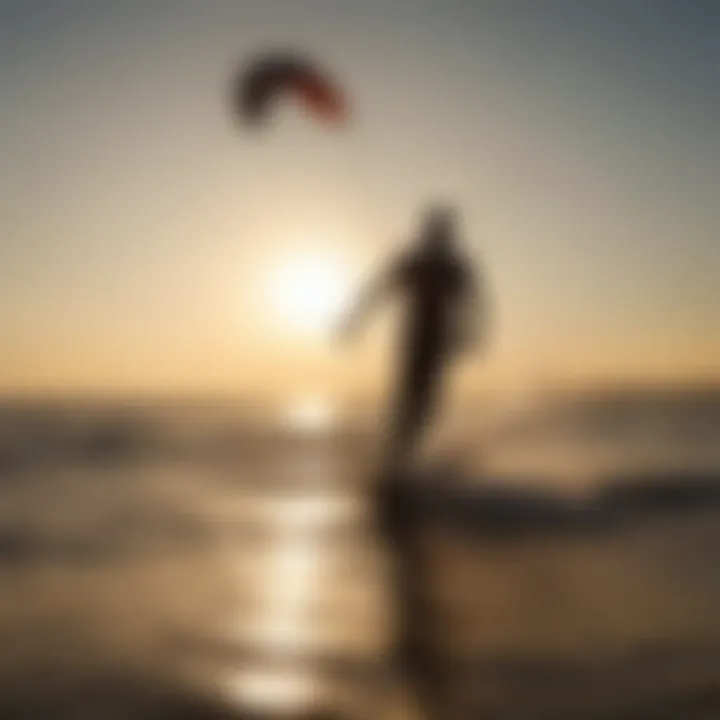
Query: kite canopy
(264, 81)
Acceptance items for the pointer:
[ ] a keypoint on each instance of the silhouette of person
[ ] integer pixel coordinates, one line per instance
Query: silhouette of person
(444, 315)
(442, 293)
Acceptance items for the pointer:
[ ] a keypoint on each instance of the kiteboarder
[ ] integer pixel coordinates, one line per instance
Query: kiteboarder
(444, 311)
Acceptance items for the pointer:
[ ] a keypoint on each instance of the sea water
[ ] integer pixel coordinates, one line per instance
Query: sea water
(185, 562)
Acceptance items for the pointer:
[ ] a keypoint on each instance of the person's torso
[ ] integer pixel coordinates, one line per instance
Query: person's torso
(433, 286)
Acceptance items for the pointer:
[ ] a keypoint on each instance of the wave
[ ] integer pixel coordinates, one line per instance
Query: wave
(496, 507)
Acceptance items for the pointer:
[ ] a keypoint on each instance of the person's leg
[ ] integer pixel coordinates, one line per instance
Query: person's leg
(415, 409)
(419, 390)
(415, 404)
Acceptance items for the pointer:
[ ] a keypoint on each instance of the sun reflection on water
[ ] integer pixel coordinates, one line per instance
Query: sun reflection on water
(306, 591)
(274, 690)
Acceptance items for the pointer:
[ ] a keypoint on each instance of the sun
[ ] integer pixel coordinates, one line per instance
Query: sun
(308, 291)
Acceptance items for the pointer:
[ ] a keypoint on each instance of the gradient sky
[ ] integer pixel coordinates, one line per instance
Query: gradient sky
(581, 141)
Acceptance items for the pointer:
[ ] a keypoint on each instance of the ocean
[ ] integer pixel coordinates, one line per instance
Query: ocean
(178, 560)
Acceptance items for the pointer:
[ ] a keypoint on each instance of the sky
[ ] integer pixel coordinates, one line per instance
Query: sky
(149, 245)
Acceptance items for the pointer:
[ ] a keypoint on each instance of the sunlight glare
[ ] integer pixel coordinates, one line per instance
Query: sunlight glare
(308, 291)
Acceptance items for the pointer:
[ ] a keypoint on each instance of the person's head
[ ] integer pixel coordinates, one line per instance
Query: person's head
(439, 228)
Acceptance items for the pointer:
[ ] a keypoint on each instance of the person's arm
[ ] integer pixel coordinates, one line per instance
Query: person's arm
(370, 296)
